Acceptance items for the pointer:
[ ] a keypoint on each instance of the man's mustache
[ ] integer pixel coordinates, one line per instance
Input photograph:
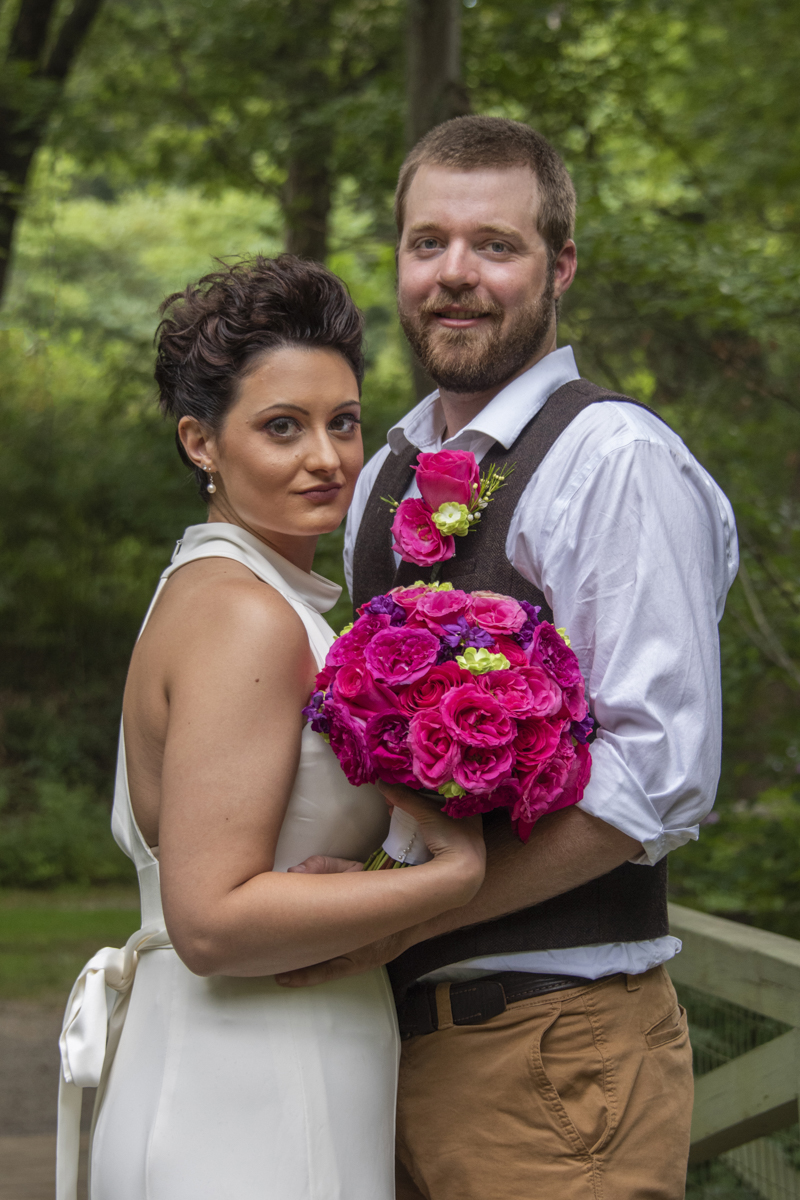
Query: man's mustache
(467, 309)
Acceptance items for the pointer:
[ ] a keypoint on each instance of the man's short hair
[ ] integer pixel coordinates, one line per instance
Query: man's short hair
(475, 143)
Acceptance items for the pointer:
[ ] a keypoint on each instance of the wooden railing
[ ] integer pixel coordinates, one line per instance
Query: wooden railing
(757, 1093)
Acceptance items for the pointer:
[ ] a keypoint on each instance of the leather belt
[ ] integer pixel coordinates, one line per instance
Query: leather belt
(477, 1000)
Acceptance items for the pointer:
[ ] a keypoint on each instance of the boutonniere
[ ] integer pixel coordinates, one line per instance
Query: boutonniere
(453, 494)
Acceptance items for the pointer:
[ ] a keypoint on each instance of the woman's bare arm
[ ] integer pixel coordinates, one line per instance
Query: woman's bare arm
(238, 675)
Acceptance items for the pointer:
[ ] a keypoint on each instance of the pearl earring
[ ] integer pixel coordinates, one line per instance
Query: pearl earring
(211, 487)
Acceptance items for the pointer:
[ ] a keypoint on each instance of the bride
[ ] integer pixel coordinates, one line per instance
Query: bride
(214, 1081)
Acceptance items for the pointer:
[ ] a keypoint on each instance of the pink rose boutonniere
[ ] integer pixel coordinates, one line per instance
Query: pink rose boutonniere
(453, 494)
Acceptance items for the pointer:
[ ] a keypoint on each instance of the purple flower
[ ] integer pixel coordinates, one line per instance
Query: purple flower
(524, 636)
(453, 632)
(385, 604)
(582, 730)
(471, 635)
(314, 713)
(481, 639)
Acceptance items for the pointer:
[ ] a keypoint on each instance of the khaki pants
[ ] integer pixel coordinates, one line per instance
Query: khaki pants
(583, 1094)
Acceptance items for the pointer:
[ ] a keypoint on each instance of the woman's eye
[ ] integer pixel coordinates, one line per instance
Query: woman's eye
(282, 427)
(345, 423)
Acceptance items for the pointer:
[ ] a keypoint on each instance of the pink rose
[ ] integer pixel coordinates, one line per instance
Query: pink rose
(386, 734)
(448, 477)
(349, 745)
(428, 691)
(536, 742)
(481, 768)
(363, 695)
(401, 655)
(325, 678)
(435, 609)
(351, 645)
(416, 538)
(407, 597)
(547, 697)
(510, 690)
(507, 793)
(433, 748)
(475, 718)
(469, 805)
(497, 614)
(512, 650)
(539, 795)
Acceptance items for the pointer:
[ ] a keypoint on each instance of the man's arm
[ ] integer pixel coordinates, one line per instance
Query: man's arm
(565, 850)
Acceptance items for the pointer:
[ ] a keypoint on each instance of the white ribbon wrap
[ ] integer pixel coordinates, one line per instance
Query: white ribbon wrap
(89, 1038)
(404, 841)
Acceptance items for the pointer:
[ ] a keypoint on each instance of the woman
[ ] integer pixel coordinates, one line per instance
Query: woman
(223, 1084)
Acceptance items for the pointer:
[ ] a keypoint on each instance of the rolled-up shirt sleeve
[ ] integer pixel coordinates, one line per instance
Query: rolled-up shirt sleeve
(634, 548)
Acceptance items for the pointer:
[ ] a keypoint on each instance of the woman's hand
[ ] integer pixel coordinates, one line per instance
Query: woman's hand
(455, 844)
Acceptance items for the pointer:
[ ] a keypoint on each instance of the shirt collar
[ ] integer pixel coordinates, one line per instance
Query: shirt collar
(503, 418)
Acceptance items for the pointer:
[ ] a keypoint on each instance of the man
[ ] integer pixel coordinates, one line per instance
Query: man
(545, 1055)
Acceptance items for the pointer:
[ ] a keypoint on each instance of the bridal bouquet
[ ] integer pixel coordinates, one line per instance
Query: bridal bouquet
(468, 695)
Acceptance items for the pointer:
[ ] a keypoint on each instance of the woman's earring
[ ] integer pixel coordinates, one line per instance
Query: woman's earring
(211, 487)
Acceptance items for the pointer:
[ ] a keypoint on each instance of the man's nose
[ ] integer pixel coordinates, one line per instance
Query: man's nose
(459, 268)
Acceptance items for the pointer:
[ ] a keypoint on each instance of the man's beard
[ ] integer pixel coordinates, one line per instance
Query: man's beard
(477, 359)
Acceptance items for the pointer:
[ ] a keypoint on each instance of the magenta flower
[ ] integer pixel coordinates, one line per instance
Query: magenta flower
(480, 769)
(510, 689)
(475, 718)
(450, 476)
(416, 538)
(547, 697)
(498, 614)
(351, 645)
(387, 740)
(555, 656)
(433, 748)
(428, 691)
(436, 609)
(469, 804)
(349, 744)
(355, 687)
(512, 650)
(537, 741)
(399, 656)
(407, 597)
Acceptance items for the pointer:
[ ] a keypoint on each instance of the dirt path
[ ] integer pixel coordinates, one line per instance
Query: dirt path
(28, 1100)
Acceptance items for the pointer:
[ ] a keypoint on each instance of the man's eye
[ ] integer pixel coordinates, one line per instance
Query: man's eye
(428, 244)
(498, 247)
(281, 427)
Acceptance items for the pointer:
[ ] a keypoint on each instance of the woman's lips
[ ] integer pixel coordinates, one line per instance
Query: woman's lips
(322, 494)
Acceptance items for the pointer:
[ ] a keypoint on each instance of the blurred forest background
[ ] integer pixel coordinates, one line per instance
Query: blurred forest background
(139, 139)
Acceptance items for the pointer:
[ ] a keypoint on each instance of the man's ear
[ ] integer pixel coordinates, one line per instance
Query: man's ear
(198, 442)
(564, 268)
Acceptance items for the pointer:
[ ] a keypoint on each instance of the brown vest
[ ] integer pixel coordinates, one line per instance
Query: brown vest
(630, 903)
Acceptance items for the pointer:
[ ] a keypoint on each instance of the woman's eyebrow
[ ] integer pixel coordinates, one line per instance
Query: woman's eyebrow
(298, 408)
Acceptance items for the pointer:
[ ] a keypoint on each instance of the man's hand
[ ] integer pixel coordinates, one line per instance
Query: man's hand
(355, 963)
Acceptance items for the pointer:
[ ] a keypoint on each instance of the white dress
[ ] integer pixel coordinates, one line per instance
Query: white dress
(226, 1088)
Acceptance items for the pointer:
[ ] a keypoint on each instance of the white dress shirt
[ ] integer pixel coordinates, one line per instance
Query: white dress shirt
(634, 546)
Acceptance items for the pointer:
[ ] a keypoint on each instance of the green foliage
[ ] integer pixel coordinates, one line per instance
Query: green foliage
(679, 123)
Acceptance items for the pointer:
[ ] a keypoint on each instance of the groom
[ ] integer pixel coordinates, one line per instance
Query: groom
(544, 1053)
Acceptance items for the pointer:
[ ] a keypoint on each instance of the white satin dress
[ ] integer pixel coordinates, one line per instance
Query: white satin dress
(225, 1088)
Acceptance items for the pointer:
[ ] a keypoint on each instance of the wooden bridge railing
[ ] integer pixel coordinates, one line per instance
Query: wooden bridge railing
(756, 1093)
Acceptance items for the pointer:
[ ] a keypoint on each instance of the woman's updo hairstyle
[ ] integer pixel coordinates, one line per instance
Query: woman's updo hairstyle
(214, 331)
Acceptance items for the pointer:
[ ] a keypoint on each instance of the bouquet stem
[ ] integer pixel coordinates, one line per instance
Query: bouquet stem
(403, 847)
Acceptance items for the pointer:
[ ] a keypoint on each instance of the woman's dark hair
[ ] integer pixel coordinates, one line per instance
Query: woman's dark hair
(213, 332)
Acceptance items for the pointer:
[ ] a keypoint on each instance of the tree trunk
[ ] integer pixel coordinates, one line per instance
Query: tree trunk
(31, 89)
(434, 91)
(306, 200)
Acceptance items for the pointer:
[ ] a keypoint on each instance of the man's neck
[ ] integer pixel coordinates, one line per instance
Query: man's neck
(459, 408)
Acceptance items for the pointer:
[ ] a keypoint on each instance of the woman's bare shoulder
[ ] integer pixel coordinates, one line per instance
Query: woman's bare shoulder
(218, 603)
